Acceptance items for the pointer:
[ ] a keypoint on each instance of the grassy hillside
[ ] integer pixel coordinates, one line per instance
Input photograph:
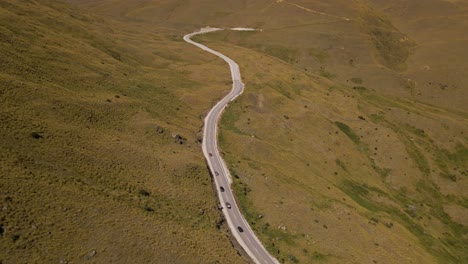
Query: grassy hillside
(89, 166)
(322, 167)
(407, 50)
(350, 152)
(349, 144)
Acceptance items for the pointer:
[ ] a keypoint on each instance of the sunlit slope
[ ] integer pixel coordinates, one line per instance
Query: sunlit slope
(349, 144)
(90, 164)
(438, 63)
(405, 49)
(342, 174)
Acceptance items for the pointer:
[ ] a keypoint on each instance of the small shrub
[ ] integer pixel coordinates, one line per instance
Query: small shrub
(144, 193)
(356, 80)
(359, 88)
(36, 135)
(451, 177)
(419, 132)
(318, 255)
(15, 238)
(326, 74)
(293, 259)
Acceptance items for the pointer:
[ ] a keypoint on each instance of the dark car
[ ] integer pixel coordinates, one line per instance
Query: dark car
(221, 188)
(216, 173)
(211, 154)
(228, 205)
(240, 229)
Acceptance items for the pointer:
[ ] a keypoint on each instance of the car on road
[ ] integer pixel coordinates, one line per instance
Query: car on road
(240, 229)
(228, 205)
(211, 154)
(221, 188)
(216, 173)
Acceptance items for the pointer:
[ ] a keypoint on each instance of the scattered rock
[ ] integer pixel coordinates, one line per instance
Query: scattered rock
(91, 254)
(282, 227)
(179, 139)
(200, 136)
(159, 129)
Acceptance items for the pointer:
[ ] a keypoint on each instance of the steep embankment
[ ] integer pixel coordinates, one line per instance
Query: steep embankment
(90, 165)
(321, 167)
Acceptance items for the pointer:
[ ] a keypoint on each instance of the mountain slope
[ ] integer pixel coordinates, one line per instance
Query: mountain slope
(349, 144)
(89, 164)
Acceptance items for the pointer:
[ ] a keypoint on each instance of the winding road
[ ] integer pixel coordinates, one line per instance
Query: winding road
(222, 178)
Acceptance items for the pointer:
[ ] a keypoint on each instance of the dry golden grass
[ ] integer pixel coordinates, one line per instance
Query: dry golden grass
(88, 109)
(349, 144)
(340, 168)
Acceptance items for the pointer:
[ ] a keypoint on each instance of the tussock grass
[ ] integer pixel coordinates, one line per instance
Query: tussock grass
(110, 116)
(363, 156)
(89, 108)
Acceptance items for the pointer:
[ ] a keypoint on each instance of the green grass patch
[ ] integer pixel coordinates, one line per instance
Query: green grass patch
(416, 155)
(281, 52)
(230, 117)
(359, 193)
(348, 132)
(270, 236)
(357, 80)
(341, 165)
(459, 156)
(319, 55)
(324, 73)
(393, 46)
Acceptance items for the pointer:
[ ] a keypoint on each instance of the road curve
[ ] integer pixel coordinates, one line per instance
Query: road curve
(222, 178)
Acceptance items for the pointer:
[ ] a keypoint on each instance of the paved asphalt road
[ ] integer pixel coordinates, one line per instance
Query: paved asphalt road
(237, 223)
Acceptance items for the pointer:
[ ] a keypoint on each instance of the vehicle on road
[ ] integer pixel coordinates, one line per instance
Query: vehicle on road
(248, 241)
(216, 173)
(228, 205)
